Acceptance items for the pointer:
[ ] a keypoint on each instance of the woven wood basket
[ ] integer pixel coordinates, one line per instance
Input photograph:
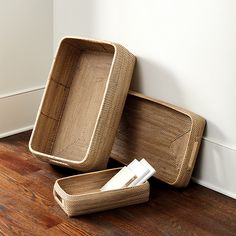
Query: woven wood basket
(82, 105)
(80, 194)
(167, 136)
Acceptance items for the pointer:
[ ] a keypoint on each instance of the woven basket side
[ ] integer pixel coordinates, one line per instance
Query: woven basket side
(188, 162)
(90, 203)
(110, 112)
(166, 135)
(108, 121)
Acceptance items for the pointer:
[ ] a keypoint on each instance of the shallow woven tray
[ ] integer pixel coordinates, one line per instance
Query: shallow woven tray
(81, 108)
(80, 194)
(167, 136)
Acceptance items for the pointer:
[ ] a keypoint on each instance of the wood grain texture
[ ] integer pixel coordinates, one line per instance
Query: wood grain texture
(82, 104)
(27, 206)
(166, 136)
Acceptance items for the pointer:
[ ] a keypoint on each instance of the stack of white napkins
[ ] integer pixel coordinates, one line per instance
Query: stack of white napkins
(136, 173)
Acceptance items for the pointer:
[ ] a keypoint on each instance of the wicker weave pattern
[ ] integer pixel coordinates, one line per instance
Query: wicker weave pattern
(167, 136)
(82, 104)
(80, 194)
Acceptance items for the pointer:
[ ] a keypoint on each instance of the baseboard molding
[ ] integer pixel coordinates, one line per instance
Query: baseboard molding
(22, 91)
(215, 168)
(16, 131)
(213, 187)
(19, 110)
(219, 143)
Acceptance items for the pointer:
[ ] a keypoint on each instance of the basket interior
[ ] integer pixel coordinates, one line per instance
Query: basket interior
(155, 132)
(73, 99)
(83, 184)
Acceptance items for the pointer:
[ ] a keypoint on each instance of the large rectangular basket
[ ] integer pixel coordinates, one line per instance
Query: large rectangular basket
(167, 136)
(82, 104)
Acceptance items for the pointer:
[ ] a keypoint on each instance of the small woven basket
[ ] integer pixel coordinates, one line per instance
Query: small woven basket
(80, 194)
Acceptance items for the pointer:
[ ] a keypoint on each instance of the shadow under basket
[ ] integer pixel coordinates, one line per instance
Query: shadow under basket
(80, 194)
(82, 105)
(167, 136)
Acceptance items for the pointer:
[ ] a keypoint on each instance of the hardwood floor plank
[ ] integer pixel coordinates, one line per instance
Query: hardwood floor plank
(68, 229)
(27, 206)
(18, 164)
(12, 223)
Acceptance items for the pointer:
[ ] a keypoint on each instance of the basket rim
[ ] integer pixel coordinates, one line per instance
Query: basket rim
(72, 197)
(58, 158)
(195, 120)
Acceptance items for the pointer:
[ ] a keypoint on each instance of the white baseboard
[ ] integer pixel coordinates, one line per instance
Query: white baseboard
(215, 168)
(21, 92)
(214, 187)
(16, 131)
(18, 110)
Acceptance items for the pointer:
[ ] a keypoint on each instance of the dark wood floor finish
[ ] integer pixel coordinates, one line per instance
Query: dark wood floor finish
(27, 206)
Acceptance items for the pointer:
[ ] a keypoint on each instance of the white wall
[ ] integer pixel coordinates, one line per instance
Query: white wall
(186, 54)
(26, 53)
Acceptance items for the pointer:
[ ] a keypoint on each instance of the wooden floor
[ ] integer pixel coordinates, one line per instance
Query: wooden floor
(27, 206)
